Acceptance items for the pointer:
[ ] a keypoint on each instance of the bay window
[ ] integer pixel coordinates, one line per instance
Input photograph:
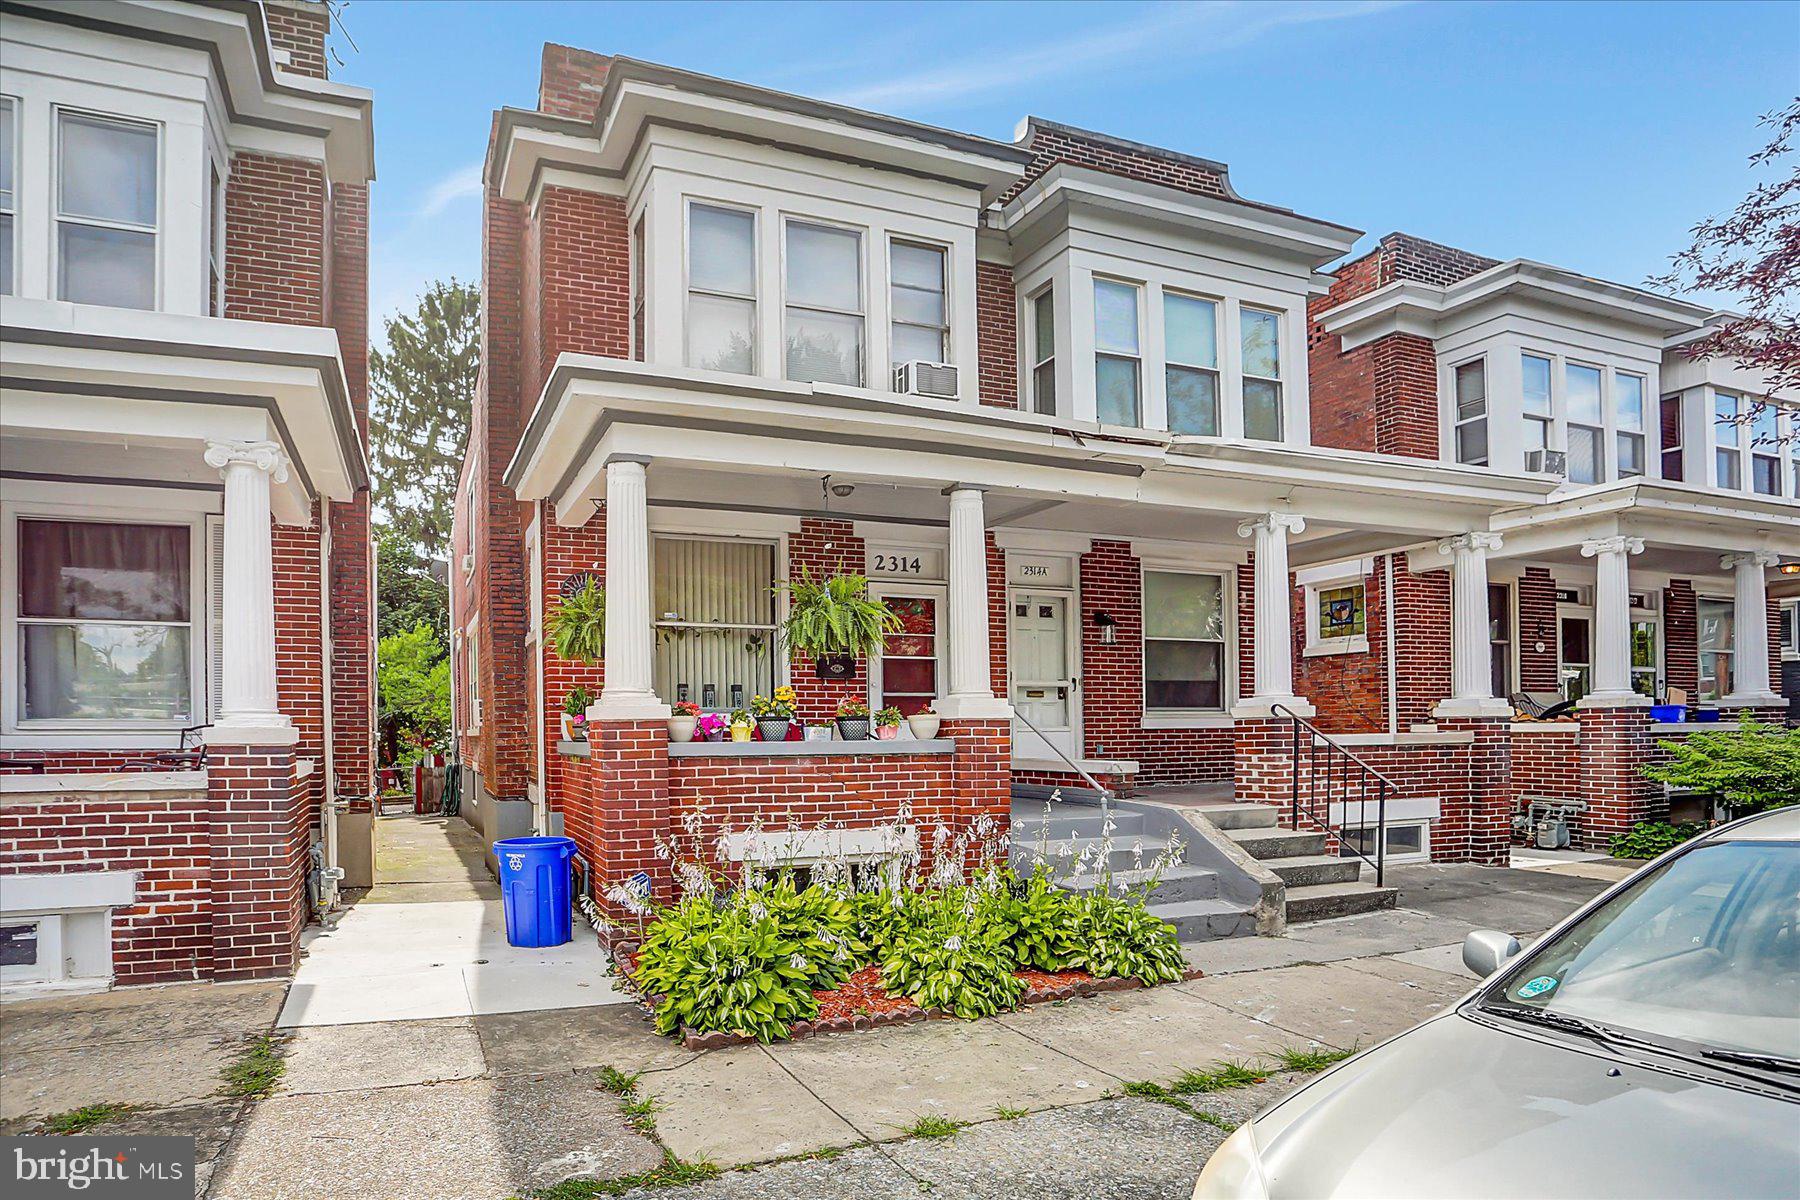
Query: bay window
(1538, 414)
(919, 330)
(1191, 372)
(1765, 450)
(1472, 413)
(7, 204)
(1718, 640)
(1043, 353)
(104, 623)
(721, 296)
(106, 211)
(1628, 422)
(1587, 452)
(715, 620)
(824, 314)
(1260, 341)
(1118, 380)
(1184, 641)
(214, 215)
(638, 291)
(1728, 466)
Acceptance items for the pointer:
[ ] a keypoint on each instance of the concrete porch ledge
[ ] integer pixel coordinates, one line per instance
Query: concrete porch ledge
(100, 785)
(868, 749)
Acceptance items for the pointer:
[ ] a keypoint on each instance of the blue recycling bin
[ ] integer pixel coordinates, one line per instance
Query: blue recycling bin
(534, 889)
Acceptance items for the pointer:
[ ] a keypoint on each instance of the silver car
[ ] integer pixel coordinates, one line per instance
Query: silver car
(1647, 1046)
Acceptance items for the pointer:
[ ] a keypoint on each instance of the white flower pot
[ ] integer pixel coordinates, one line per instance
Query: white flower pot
(924, 726)
(681, 729)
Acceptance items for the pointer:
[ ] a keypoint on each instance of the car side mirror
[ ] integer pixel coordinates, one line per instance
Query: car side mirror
(1487, 950)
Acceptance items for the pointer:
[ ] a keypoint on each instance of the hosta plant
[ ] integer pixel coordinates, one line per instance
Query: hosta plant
(725, 967)
(967, 972)
(819, 924)
(1040, 923)
(1120, 937)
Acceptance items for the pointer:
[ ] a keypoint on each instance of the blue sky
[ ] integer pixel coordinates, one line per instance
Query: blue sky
(1589, 136)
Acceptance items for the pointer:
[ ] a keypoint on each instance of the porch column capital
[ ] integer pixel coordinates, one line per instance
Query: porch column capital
(1273, 678)
(628, 691)
(1612, 623)
(1612, 546)
(1477, 542)
(1751, 683)
(267, 457)
(249, 712)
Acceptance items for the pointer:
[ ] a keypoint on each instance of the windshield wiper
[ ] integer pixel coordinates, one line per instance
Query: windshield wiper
(1747, 1058)
(1539, 1016)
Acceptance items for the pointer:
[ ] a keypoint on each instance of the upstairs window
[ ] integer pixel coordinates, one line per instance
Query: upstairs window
(1538, 415)
(1117, 374)
(637, 292)
(1261, 345)
(920, 326)
(7, 205)
(1765, 450)
(1587, 453)
(1043, 353)
(215, 241)
(1628, 421)
(1191, 375)
(106, 211)
(824, 304)
(1471, 413)
(1728, 467)
(721, 301)
(1674, 463)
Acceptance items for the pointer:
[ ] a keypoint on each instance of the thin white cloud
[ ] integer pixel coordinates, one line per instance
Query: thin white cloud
(460, 184)
(1190, 30)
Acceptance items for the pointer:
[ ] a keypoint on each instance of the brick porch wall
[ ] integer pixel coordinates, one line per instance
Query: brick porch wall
(258, 815)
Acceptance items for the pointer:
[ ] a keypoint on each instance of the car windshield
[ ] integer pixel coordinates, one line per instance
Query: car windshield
(1704, 949)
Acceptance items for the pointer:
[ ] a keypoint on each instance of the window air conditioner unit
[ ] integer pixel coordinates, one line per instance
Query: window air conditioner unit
(925, 379)
(1548, 462)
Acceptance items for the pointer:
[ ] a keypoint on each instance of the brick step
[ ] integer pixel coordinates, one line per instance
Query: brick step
(1239, 816)
(1304, 870)
(1319, 901)
(1270, 843)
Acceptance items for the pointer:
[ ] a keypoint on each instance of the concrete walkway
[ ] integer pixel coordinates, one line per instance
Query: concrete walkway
(428, 941)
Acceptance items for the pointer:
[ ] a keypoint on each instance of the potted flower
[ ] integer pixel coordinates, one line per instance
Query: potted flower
(774, 713)
(924, 724)
(887, 723)
(683, 715)
(741, 725)
(574, 714)
(709, 727)
(852, 720)
(836, 621)
(578, 626)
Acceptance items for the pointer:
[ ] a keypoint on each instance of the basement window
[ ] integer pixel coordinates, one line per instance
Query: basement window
(1407, 841)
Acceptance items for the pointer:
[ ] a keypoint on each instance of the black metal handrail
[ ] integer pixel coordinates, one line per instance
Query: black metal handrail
(1349, 775)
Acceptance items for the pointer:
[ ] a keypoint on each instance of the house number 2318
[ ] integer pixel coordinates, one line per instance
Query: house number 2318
(898, 564)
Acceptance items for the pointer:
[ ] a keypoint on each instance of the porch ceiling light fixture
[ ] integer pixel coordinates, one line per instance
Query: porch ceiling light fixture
(1792, 568)
(1109, 628)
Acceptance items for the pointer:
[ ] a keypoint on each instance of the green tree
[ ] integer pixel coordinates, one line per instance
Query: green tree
(412, 671)
(423, 385)
(409, 595)
(1751, 768)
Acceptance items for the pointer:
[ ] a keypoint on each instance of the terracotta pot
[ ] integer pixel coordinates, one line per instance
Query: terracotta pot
(887, 733)
(924, 726)
(681, 729)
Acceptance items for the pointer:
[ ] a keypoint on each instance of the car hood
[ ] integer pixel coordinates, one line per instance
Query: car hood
(1455, 1108)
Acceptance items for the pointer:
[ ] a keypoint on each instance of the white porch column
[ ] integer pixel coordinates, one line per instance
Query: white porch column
(628, 693)
(1273, 620)
(249, 707)
(1612, 623)
(1750, 682)
(971, 694)
(1471, 674)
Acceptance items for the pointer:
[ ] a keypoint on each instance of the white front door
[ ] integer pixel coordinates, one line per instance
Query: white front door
(1042, 663)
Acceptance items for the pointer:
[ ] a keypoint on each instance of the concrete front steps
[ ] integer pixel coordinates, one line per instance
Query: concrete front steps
(1188, 894)
(1318, 884)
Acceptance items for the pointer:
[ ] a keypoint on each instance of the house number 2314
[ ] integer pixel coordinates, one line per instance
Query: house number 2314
(898, 564)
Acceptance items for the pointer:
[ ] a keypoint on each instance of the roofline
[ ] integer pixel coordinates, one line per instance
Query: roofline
(1108, 139)
(623, 69)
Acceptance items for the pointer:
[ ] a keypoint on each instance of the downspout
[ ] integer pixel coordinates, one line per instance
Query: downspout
(1387, 633)
(328, 810)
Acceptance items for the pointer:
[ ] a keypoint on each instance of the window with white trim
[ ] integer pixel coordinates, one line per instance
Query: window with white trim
(1765, 449)
(1405, 841)
(1191, 363)
(1260, 340)
(918, 303)
(1717, 643)
(1586, 423)
(1539, 416)
(638, 289)
(1118, 353)
(721, 295)
(472, 677)
(106, 210)
(103, 616)
(1790, 630)
(1185, 660)
(1043, 352)
(8, 205)
(715, 619)
(824, 304)
(1471, 413)
(1336, 616)
(1628, 422)
(213, 215)
(1728, 437)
